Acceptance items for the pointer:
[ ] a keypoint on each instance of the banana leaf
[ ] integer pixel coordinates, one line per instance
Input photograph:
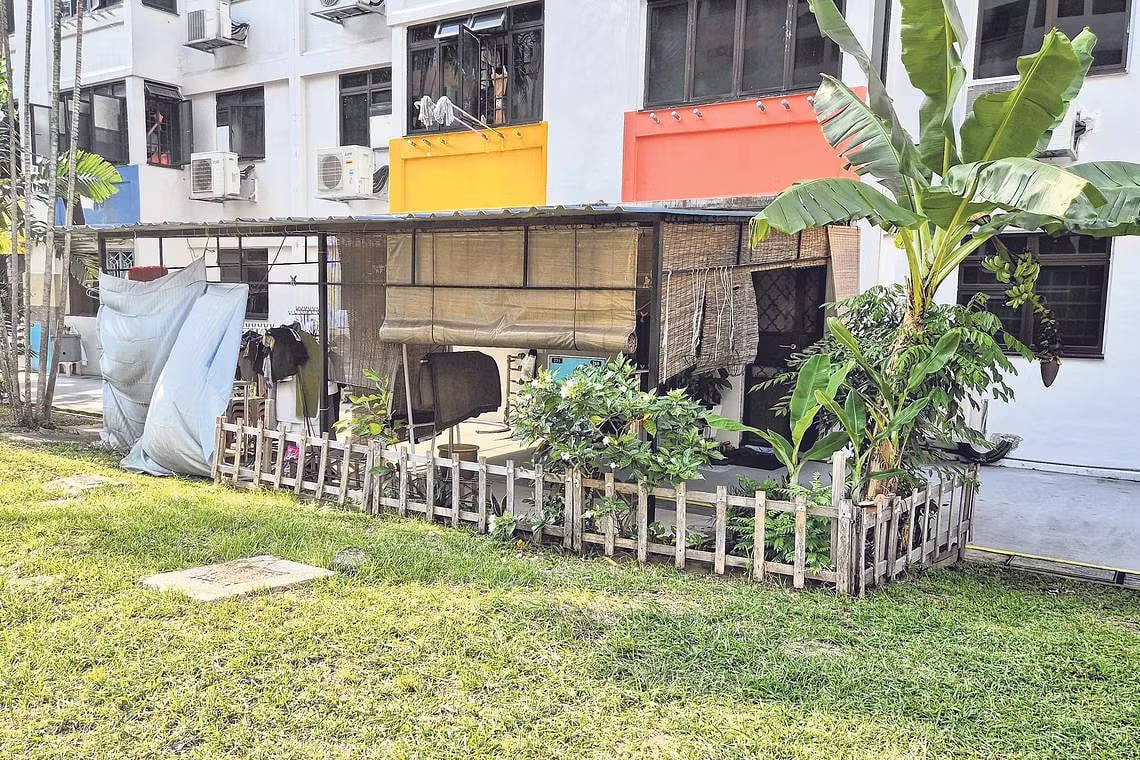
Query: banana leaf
(1083, 45)
(821, 202)
(1024, 184)
(1011, 124)
(931, 32)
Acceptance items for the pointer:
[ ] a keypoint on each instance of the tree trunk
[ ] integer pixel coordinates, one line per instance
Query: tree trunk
(11, 365)
(68, 204)
(46, 357)
(26, 414)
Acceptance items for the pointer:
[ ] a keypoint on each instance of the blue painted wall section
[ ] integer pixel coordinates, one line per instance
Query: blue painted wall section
(121, 208)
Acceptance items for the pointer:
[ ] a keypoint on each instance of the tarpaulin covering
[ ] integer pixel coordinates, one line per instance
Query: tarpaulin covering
(169, 351)
(560, 288)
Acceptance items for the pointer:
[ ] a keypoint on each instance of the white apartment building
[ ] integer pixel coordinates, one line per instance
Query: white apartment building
(630, 101)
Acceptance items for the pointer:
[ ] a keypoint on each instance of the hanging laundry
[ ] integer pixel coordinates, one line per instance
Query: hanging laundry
(309, 377)
(287, 353)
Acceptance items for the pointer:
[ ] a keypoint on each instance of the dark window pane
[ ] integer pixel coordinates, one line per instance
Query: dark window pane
(713, 49)
(382, 76)
(668, 26)
(1109, 6)
(1109, 21)
(423, 79)
(765, 33)
(1076, 296)
(163, 131)
(452, 81)
(425, 33)
(354, 125)
(1002, 36)
(525, 86)
(381, 102)
(1068, 8)
(352, 81)
(527, 14)
(814, 55)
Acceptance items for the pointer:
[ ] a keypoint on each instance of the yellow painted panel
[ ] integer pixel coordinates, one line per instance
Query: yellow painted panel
(469, 170)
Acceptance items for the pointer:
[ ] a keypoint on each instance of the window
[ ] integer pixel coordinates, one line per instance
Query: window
(102, 121)
(251, 266)
(1073, 281)
(68, 7)
(169, 126)
(706, 50)
(243, 111)
(1011, 28)
(363, 94)
(10, 17)
(489, 64)
(171, 6)
(83, 301)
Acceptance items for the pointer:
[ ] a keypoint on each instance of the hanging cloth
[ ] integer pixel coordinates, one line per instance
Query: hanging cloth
(309, 377)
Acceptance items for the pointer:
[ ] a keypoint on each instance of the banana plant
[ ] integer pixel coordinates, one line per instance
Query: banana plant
(944, 195)
(818, 377)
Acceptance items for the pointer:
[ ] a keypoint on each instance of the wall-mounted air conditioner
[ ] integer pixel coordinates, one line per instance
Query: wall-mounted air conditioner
(209, 27)
(345, 173)
(1063, 143)
(339, 10)
(215, 176)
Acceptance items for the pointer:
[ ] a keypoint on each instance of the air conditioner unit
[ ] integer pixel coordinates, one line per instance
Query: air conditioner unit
(209, 27)
(215, 176)
(339, 10)
(345, 173)
(1063, 142)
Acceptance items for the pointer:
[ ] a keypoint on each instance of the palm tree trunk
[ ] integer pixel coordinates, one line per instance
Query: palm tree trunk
(46, 359)
(11, 317)
(26, 285)
(68, 202)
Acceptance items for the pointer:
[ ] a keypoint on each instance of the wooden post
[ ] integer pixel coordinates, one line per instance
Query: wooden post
(642, 522)
(454, 488)
(568, 513)
(720, 530)
(509, 495)
(322, 468)
(481, 526)
(302, 454)
(258, 456)
(844, 562)
(367, 501)
(579, 520)
(880, 554)
(279, 467)
(758, 528)
(911, 520)
(611, 527)
(219, 450)
(539, 501)
(239, 443)
(680, 529)
(402, 509)
(799, 569)
(861, 549)
(838, 491)
(345, 465)
(429, 488)
(892, 536)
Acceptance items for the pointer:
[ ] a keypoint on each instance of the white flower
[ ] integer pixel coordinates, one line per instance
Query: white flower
(606, 440)
(613, 466)
(565, 457)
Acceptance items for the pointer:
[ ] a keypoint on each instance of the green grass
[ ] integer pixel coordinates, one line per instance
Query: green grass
(450, 645)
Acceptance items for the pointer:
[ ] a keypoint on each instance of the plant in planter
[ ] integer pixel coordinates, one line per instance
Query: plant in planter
(955, 189)
(706, 388)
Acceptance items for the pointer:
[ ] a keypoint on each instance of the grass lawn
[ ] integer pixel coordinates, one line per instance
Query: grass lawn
(450, 645)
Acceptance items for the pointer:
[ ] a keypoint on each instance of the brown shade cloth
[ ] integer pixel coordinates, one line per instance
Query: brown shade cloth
(709, 313)
(460, 385)
(560, 288)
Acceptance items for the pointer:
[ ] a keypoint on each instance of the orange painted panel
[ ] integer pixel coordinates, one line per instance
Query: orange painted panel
(731, 149)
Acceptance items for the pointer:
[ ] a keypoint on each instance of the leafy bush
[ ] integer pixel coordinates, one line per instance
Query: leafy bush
(780, 527)
(370, 417)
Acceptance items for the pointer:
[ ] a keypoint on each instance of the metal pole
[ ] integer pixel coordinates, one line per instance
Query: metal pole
(408, 397)
(323, 327)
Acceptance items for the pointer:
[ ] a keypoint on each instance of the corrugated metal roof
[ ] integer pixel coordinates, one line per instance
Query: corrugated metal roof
(315, 225)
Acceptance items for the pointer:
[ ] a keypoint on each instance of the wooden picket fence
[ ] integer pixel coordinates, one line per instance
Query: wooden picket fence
(869, 545)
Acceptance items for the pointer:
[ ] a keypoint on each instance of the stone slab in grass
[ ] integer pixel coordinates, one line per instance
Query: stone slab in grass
(237, 578)
(74, 485)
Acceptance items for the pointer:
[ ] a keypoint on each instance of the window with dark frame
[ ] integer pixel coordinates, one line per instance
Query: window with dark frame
(251, 266)
(488, 64)
(243, 111)
(363, 94)
(170, 6)
(102, 121)
(700, 51)
(10, 9)
(1009, 29)
(82, 302)
(1074, 282)
(169, 126)
(70, 7)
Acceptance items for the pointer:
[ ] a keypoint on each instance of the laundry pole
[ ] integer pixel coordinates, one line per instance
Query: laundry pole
(323, 329)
